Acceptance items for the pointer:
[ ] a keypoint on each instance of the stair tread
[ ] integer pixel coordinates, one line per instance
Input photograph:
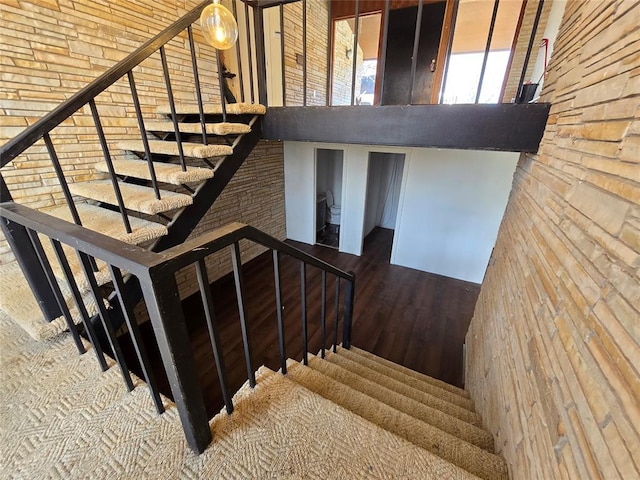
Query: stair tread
(165, 172)
(313, 437)
(447, 423)
(406, 390)
(193, 150)
(214, 109)
(454, 398)
(469, 457)
(411, 373)
(135, 197)
(222, 128)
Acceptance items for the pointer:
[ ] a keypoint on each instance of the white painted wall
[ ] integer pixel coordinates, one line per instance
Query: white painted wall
(450, 210)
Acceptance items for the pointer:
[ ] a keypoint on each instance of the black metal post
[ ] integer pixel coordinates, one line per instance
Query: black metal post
(529, 48)
(212, 324)
(336, 307)
(196, 79)
(108, 161)
(261, 62)
(136, 338)
(383, 49)
(77, 297)
(165, 311)
(304, 53)
(238, 55)
(223, 101)
(487, 48)
(248, 27)
(172, 107)
(354, 55)
(323, 312)
(281, 343)
(303, 300)
(282, 57)
(143, 134)
(416, 45)
(61, 178)
(349, 295)
(242, 310)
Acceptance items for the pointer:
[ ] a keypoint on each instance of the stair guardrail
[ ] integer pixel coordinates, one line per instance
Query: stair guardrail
(156, 273)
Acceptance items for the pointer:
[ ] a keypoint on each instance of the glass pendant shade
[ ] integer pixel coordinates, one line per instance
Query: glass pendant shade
(218, 26)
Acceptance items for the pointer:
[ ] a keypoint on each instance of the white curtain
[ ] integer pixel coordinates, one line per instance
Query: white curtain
(392, 196)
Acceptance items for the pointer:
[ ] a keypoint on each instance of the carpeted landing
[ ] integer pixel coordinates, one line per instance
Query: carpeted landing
(63, 418)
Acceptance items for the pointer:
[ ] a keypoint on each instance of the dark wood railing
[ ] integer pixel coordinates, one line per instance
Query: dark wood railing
(156, 273)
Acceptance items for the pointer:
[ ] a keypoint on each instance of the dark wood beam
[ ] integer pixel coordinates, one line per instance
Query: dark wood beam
(505, 127)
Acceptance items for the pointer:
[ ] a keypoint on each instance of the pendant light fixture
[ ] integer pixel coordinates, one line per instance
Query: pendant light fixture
(219, 26)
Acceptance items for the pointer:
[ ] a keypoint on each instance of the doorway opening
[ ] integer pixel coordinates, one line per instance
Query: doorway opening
(384, 182)
(328, 196)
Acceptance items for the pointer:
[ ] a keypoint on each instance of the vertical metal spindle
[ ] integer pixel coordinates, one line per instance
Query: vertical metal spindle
(276, 275)
(303, 300)
(242, 310)
(452, 30)
(383, 50)
(196, 79)
(104, 319)
(529, 47)
(354, 55)
(487, 48)
(223, 101)
(143, 133)
(238, 55)
(416, 45)
(323, 312)
(261, 59)
(55, 288)
(336, 307)
(248, 26)
(172, 107)
(329, 51)
(304, 53)
(283, 65)
(349, 295)
(136, 338)
(61, 178)
(212, 324)
(107, 159)
(77, 298)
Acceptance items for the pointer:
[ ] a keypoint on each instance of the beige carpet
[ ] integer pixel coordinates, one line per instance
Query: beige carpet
(193, 150)
(222, 128)
(214, 109)
(63, 418)
(165, 172)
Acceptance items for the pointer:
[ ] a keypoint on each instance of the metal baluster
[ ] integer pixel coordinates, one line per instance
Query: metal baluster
(276, 275)
(196, 78)
(223, 101)
(304, 53)
(143, 133)
(136, 338)
(349, 294)
(337, 313)
(487, 48)
(354, 56)
(303, 299)
(529, 47)
(212, 324)
(55, 288)
(238, 56)
(172, 106)
(283, 66)
(416, 44)
(107, 159)
(242, 310)
(383, 50)
(104, 319)
(77, 298)
(452, 29)
(323, 312)
(63, 181)
(248, 26)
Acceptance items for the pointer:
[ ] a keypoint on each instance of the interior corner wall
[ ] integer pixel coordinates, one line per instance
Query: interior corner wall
(553, 349)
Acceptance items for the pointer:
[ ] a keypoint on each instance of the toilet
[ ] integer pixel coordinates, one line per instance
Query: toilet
(333, 210)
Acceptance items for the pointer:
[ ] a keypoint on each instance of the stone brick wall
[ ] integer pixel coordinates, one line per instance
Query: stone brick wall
(553, 350)
(51, 49)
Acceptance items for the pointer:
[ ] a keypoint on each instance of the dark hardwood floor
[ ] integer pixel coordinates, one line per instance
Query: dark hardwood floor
(413, 318)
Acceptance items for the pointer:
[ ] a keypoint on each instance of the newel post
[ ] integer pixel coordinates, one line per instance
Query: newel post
(349, 298)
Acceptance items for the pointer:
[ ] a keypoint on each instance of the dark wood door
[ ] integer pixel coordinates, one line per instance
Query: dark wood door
(397, 74)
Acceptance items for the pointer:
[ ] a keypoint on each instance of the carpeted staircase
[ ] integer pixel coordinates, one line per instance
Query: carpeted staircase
(350, 415)
(150, 218)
